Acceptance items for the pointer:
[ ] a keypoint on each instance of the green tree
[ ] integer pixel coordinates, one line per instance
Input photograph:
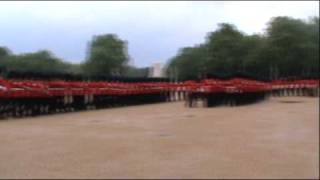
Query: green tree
(225, 49)
(311, 63)
(223, 52)
(294, 45)
(107, 55)
(4, 53)
(189, 63)
(42, 62)
(256, 58)
(288, 48)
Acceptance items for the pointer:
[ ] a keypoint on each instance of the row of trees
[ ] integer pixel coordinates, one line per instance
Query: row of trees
(106, 56)
(288, 48)
(42, 61)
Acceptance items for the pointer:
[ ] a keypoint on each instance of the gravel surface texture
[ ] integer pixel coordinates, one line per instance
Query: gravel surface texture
(271, 139)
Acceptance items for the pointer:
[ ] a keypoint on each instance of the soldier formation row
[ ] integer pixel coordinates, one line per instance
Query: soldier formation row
(19, 98)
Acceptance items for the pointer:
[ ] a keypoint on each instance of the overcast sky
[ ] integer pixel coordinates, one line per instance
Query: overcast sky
(155, 30)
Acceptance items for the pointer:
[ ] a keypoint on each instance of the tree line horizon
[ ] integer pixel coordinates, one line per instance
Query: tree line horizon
(289, 48)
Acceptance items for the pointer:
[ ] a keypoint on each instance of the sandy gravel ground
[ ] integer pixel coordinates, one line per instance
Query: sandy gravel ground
(278, 138)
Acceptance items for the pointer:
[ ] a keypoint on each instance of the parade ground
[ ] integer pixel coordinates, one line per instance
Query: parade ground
(275, 138)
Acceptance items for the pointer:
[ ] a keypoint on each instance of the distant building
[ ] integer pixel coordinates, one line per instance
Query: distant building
(156, 70)
(131, 62)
